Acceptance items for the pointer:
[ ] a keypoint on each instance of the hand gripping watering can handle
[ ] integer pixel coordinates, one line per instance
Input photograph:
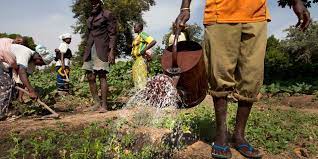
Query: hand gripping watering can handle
(175, 69)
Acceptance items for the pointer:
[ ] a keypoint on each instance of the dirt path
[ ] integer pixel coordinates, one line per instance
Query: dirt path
(23, 126)
(201, 150)
(305, 104)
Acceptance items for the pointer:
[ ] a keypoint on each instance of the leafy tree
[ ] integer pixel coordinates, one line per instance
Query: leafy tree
(29, 42)
(302, 46)
(276, 60)
(193, 31)
(126, 11)
(275, 56)
(284, 3)
(295, 57)
(272, 42)
(157, 51)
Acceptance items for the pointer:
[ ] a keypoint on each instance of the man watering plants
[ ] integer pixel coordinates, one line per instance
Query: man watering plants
(99, 52)
(235, 43)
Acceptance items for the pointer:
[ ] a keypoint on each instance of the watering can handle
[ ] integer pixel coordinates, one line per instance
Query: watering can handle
(175, 49)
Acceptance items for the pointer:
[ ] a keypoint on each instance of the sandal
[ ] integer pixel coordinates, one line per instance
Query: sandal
(248, 151)
(219, 148)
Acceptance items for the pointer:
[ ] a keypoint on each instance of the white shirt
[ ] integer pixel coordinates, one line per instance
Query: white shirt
(22, 54)
(63, 48)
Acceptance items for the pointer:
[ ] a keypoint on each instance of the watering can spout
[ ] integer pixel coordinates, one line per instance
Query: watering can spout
(174, 71)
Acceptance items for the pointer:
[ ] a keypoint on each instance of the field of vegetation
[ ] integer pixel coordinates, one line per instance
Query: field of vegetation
(279, 128)
(283, 124)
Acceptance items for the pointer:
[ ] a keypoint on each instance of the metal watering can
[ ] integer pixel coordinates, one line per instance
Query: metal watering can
(184, 63)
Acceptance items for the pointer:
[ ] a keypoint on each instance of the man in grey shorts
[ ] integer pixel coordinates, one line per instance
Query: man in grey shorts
(99, 51)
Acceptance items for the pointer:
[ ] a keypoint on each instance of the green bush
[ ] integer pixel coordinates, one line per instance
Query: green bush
(293, 57)
(120, 78)
(155, 66)
(277, 131)
(276, 58)
(95, 141)
(296, 88)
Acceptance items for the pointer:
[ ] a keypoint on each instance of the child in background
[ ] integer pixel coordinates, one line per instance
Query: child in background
(62, 67)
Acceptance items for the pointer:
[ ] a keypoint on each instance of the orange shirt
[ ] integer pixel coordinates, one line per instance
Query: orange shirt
(235, 11)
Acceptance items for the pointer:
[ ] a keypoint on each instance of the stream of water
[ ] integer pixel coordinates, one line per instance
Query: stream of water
(159, 93)
(157, 100)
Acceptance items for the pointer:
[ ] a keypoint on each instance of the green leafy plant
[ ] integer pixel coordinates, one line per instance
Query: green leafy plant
(94, 141)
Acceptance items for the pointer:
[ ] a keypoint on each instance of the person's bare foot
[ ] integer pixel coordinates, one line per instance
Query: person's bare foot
(62, 93)
(102, 110)
(96, 106)
(3, 117)
(93, 108)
